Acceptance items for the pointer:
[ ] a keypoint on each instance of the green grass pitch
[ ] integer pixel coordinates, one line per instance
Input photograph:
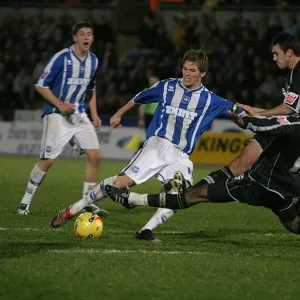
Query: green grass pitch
(210, 252)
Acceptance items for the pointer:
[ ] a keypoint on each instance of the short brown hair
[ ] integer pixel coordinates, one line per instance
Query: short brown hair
(197, 56)
(81, 24)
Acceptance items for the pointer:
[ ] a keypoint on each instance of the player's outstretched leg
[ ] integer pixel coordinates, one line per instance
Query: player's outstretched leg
(163, 200)
(92, 208)
(119, 195)
(62, 217)
(94, 195)
(130, 199)
(194, 195)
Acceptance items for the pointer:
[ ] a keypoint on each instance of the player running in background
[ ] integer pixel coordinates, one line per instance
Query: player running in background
(64, 84)
(286, 54)
(273, 181)
(186, 109)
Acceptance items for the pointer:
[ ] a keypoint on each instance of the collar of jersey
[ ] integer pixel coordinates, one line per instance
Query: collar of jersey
(80, 60)
(194, 90)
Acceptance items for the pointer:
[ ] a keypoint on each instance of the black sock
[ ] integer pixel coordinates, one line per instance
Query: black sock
(172, 201)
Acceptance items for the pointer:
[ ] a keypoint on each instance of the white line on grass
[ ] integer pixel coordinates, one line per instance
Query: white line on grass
(115, 251)
(128, 231)
(159, 252)
(59, 229)
(21, 229)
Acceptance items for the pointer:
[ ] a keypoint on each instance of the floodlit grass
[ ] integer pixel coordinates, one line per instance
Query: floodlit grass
(211, 251)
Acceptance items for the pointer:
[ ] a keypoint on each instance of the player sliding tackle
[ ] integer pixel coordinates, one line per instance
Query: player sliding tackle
(185, 110)
(273, 181)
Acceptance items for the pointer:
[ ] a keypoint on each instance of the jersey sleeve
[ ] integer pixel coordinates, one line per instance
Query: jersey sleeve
(292, 97)
(92, 83)
(288, 126)
(221, 105)
(151, 95)
(53, 68)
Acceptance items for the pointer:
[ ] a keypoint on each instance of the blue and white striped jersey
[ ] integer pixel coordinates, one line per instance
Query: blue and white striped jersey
(182, 115)
(69, 77)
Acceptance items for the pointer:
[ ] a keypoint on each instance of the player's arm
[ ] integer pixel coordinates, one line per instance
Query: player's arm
(141, 116)
(291, 102)
(93, 109)
(153, 94)
(115, 120)
(274, 126)
(276, 111)
(221, 106)
(251, 110)
(279, 110)
(49, 96)
(43, 85)
(91, 96)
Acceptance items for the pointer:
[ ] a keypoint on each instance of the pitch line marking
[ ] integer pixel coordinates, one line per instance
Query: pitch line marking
(128, 231)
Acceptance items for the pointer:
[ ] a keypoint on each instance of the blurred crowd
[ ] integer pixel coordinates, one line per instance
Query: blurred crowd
(240, 69)
(26, 46)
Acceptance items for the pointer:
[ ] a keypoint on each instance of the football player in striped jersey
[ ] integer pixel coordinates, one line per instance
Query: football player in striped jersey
(65, 82)
(186, 108)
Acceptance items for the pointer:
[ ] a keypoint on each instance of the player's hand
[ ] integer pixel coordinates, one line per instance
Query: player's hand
(247, 108)
(97, 121)
(233, 115)
(115, 121)
(67, 108)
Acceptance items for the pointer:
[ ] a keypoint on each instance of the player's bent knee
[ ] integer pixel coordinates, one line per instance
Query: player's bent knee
(289, 218)
(293, 226)
(123, 181)
(98, 157)
(94, 156)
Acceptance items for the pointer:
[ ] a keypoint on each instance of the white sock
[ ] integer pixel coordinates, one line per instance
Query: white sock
(35, 179)
(96, 194)
(160, 216)
(87, 187)
(138, 199)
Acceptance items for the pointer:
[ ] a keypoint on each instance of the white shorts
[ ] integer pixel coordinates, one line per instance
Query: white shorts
(59, 130)
(160, 158)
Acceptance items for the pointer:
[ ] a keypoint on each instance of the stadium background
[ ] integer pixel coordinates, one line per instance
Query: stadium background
(132, 43)
(224, 251)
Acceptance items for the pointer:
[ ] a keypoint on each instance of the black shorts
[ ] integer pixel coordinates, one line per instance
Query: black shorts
(246, 190)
